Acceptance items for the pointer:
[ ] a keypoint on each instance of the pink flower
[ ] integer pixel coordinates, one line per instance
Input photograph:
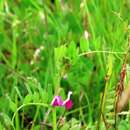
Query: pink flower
(69, 104)
(57, 101)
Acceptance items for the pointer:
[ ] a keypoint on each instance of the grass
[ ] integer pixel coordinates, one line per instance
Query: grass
(51, 47)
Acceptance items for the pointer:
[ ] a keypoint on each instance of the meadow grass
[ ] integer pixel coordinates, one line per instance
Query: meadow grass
(49, 48)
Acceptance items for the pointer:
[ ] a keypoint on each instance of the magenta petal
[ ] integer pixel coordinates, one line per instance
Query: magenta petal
(69, 104)
(57, 101)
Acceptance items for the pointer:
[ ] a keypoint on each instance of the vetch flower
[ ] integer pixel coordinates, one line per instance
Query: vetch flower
(68, 102)
(57, 101)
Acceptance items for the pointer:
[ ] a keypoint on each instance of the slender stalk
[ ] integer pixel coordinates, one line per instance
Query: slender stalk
(103, 100)
(75, 110)
(35, 117)
(58, 5)
(17, 116)
(28, 104)
(14, 46)
(22, 122)
(109, 52)
(54, 119)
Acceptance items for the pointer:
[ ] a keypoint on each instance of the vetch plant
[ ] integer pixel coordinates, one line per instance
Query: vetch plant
(81, 45)
(57, 101)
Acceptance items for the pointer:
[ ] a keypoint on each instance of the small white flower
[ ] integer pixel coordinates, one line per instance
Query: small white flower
(36, 54)
(65, 76)
(42, 16)
(86, 35)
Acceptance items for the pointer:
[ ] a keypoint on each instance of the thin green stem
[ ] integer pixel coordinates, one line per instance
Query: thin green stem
(90, 20)
(35, 117)
(28, 104)
(58, 6)
(89, 107)
(76, 110)
(109, 52)
(14, 46)
(54, 119)
(22, 122)
(17, 116)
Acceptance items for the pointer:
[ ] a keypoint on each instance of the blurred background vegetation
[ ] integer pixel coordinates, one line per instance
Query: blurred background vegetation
(50, 47)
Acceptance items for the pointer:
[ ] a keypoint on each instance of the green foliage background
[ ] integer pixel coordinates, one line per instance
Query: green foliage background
(44, 52)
